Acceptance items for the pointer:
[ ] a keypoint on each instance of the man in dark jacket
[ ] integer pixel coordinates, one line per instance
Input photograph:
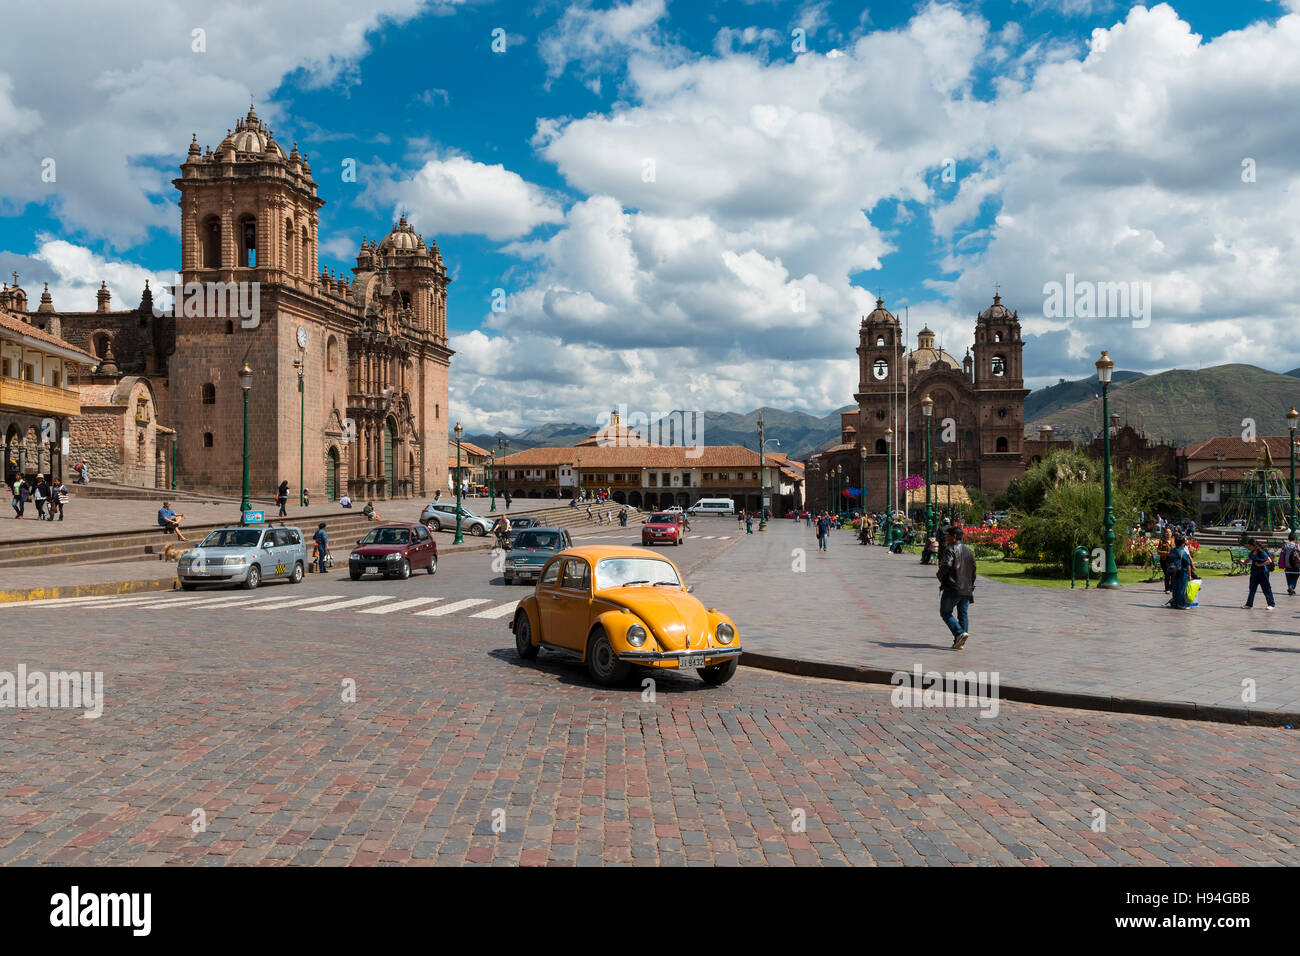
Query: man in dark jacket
(956, 586)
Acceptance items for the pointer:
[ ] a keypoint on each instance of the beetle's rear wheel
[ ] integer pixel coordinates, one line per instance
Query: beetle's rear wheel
(524, 636)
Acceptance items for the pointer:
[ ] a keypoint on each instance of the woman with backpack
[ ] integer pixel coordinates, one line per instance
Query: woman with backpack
(1261, 563)
(1291, 562)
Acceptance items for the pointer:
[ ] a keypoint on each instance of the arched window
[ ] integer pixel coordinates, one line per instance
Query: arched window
(247, 242)
(288, 245)
(207, 439)
(880, 341)
(881, 447)
(331, 354)
(99, 344)
(999, 365)
(209, 394)
(1002, 444)
(880, 369)
(210, 237)
(304, 254)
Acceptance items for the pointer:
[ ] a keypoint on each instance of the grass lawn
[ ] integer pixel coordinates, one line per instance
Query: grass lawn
(1013, 571)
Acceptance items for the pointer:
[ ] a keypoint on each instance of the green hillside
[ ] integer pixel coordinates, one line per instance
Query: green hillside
(1045, 402)
(1186, 405)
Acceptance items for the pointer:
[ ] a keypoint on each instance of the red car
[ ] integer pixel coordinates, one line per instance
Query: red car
(394, 550)
(664, 527)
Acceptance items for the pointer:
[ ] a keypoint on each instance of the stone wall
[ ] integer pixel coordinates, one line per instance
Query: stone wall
(97, 438)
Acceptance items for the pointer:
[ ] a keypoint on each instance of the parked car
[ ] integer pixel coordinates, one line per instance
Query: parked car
(441, 515)
(530, 549)
(244, 555)
(663, 527)
(394, 551)
(620, 607)
(713, 506)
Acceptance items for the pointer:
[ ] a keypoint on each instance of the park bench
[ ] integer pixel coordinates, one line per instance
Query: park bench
(1240, 558)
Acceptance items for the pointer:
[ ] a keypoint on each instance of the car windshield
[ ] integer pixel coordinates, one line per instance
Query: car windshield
(232, 538)
(387, 536)
(541, 540)
(617, 572)
(662, 519)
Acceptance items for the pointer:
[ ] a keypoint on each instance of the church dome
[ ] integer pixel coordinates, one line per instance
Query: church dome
(403, 238)
(251, 137)
(997, 312)
(880, 314)
(926, 354)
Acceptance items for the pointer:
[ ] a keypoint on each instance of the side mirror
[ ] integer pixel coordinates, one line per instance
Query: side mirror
(268, 545)
(691, 589)
(358, 540)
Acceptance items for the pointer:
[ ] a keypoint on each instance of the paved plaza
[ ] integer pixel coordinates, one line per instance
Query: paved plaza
(456, 752)
(864, 607)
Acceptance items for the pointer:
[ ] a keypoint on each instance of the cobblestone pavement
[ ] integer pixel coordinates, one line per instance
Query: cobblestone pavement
(863, 606)
(237, 710)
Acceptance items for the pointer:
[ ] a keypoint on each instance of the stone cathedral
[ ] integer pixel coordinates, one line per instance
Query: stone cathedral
(982, 396)
(351, 370)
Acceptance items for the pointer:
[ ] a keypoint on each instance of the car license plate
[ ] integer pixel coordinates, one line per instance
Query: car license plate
(695, 660)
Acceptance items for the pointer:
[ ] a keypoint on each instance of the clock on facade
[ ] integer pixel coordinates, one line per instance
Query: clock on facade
(302, 337)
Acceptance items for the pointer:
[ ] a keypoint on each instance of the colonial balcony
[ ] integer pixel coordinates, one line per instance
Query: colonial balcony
(38, 399)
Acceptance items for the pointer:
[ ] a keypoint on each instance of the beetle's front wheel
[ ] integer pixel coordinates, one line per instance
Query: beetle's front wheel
(602, 662)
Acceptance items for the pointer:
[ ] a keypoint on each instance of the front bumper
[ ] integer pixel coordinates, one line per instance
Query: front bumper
(650, 657)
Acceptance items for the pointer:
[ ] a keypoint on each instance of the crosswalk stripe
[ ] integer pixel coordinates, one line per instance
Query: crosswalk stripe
(708, 537)
(723, 537)
(355, 602)
(450, 608)
(269, 606)
(173, 602)
(501, 610)
(400, 606)
(64, 602)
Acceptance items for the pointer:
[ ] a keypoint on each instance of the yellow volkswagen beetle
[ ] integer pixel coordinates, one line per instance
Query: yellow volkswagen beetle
(618, 607)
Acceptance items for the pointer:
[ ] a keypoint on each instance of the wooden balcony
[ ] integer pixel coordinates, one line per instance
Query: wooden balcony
(38, 399)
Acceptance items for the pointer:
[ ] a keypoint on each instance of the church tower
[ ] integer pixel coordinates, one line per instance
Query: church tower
(999, 393)
(252, 293)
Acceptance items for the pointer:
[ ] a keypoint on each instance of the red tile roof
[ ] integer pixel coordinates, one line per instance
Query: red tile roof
(657, 456)
(1233, 448)
(16, 324)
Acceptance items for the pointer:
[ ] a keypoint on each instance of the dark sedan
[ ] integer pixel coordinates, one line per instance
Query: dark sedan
(530, 550)
(394, 551)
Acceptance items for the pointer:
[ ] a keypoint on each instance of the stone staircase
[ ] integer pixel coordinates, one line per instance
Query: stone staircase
(344, 529)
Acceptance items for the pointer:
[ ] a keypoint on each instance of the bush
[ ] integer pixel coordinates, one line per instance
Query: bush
(987, 552)
(1043, 571)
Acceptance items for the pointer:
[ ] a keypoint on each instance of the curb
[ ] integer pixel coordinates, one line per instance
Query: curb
(105, 589)
(1178, 710)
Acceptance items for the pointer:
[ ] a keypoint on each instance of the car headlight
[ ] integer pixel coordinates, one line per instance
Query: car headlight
(354, 557)
(235, 562)
(726, 633)
(395, 556)
(636, 635)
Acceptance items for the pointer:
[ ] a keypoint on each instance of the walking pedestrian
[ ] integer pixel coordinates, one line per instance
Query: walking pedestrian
(740, 519)
(1291, 562)
(1261, 563)
(83, 472)
(41, 495)
(956, 576)
(1178, 568)
(823, 532)
(322, 540)
(18, 496)
(749, 524)
(306, 497)
(282, 497)
(508, 500)
(58, 498)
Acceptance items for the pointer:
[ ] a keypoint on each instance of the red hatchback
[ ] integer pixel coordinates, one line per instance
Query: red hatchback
(394, 550)
(665, 527)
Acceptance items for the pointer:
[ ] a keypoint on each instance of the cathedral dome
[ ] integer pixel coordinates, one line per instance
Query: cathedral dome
(251, 136)
(926, 354)
(403, 238)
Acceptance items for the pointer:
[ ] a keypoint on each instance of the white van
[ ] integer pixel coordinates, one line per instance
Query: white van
(712, 506)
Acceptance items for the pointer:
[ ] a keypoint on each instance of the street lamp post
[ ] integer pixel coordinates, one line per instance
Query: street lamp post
(578, 496)
(762, 474)
(1110, 579)
(459, 536)
(245, 383)
(862, 487)
(927, 409)
(950, 491)
(302, 417)
(492, 471)
(1291, 419)
(889, 486)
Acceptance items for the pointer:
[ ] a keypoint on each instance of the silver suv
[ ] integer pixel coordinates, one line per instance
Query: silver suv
(437, 516)
(245, 556)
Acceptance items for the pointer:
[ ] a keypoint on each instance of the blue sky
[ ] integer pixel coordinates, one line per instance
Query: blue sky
(789, 186)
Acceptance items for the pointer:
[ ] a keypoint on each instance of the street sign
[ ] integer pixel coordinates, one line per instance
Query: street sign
(254, 517)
